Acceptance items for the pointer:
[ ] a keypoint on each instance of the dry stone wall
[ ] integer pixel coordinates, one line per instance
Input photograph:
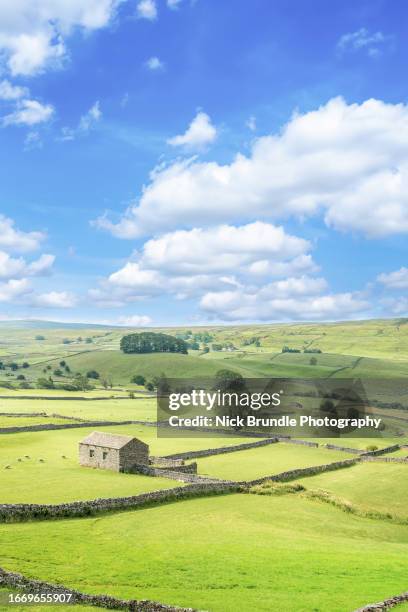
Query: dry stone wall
(23, 512)
(344, 449)
(19, 582)
(386, 604)
(220, 450)
(385, 459)
(302, 472)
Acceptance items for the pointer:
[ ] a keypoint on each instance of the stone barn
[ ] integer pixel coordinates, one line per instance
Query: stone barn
(112, 452)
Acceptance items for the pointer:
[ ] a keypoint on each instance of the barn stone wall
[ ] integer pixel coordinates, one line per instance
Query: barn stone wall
(111, 462)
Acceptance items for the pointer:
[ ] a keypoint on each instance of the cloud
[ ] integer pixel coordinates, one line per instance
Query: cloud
(33, 33)
(199, 133)
(17, 268)
(154, 63)
(14, 289)
(187, 264)
(251, 123)
(91, 117)
(222, 249)
(55, 299)
(29, 112)
(396, 306)
(173, 4)
(362, 40)
(147, 9)
(15, 240)
(86, 123)
(8, 91)
(395, 280)
(135, 320)
(347, 162)
(264, 305)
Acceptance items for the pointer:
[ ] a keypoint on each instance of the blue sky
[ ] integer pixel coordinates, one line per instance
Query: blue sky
(169, 162)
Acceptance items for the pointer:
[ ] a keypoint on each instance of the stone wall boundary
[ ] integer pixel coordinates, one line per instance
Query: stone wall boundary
(54, 426)
(386, 604)
(302, 472)
(382, 451)
(220, 450)
(12, 513)
(385, 459)
(19, 582)
(298, 441)
(344, 449)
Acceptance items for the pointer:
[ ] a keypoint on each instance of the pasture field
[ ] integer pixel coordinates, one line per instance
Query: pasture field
(266, 460)
(284, 553)
(59, 476)
(7, 421)
(236, 552)
(370, 486)
(137, 409)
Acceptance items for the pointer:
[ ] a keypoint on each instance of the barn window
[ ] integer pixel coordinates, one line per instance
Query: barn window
(91, 452)
(104, 454)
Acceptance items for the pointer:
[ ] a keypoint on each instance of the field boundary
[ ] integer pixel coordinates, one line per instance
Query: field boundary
(386, 604)
(14, 513)
(19, 582)
(10, 513)
(302, 472)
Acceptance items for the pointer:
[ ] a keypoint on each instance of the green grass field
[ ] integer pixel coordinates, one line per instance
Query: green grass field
(6, 421)
(57, 479)
(140, 409)
(265, 461)
(230, 553)
(371, 486)
(283, 553)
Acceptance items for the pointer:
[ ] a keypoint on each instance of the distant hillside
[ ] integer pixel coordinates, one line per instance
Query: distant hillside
(39, 324)
(120, 367)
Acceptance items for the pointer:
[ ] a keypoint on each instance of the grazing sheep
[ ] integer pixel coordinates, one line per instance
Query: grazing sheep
(27, 456)
(41, 460)
(7, 467)
(63, 456)
(19, 459)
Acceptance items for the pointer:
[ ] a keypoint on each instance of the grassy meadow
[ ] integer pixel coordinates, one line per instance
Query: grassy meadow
(236, 552)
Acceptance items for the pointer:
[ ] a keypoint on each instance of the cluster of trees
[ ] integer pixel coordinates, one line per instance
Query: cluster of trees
(13, 366)
(157, 382)
(151, 342)
(205, 337)
(219, 347)
(287, 349)
(79, 339)
(255, 340)
(78, 383)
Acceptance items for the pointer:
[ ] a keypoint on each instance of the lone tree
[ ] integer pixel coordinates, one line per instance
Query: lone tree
(150, 342)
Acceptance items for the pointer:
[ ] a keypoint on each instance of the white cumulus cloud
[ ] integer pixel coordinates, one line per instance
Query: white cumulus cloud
(199, 133)
(13, 289)
(347, 162)
(14, 239)
(395, 280)
(154, 63)
(55, 299)
(29, 112)
(135, 320)
(16, 268)
(147, 9)
(8, 91)
(33, 33)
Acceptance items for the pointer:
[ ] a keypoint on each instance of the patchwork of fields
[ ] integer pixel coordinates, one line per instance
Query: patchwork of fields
(336, 543)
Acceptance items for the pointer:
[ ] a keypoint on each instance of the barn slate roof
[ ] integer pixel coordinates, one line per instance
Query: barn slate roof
(108, 440)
